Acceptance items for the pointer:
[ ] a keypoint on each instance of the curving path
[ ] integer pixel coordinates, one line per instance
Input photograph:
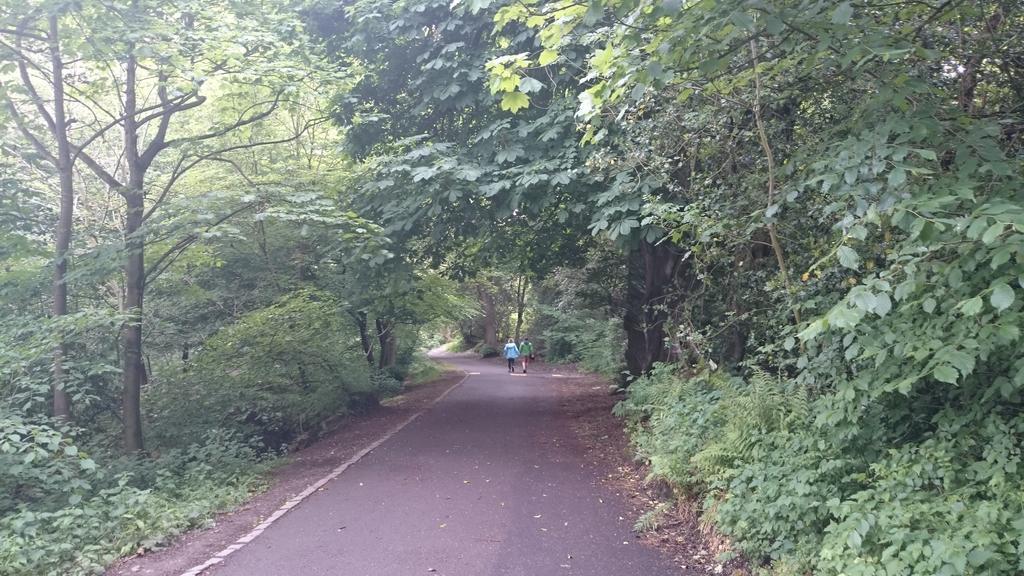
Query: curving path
(489, 481)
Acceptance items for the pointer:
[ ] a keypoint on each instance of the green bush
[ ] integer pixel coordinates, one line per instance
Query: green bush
(423, 370)
(458, 345)
(278, 373)
(487, 351)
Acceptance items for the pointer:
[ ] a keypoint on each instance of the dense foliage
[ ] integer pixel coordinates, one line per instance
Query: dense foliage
(792, 231)
(820, 207)
(868, 420)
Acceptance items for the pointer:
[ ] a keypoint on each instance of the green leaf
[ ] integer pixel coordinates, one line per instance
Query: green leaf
(478, 5)
(882, 304)
(845, 317)
(945, 373)
(955, 277)
(977, 228)
(1002, 296)
(928, 305)
(514, 101)
(603, 59)
(897, 176)
(773, 24)
(904, 289)
(812, 330)
(528, 84)
(842, 13)
(963, 361)
(742, 20)
(926, 154)
(547, 57)
(992, 233)
(971, 306)
(1000, 257)
(978, 556)
(863, 298)
(848, 257)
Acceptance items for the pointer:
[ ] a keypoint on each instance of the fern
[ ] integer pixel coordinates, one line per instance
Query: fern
(652, 519)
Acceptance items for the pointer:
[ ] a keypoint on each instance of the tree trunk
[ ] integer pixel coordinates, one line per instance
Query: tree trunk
(134, 372)
(490, 318)
(650, 273)
(973, 64)
(388, 344)
(59, 305)
(364, 336)
(521, 287)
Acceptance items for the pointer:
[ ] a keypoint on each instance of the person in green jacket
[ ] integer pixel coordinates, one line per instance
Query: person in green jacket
(526, 352)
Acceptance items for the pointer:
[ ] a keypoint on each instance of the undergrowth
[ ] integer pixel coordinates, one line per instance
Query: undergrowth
(84, 512)
(422, 370)
(594, 344)
(794, 493)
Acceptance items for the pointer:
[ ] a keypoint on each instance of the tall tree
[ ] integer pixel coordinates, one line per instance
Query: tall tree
(143, 67)
(22, 36)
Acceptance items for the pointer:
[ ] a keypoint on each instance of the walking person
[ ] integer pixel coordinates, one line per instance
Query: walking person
(511, 352)
(526, 350)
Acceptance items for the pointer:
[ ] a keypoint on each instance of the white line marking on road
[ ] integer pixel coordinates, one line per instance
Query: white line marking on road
(295, 501)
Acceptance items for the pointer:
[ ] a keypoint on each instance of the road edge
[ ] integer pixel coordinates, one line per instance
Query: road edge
(241, 542)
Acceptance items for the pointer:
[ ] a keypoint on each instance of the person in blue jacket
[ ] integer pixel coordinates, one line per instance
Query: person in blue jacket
(511, 352)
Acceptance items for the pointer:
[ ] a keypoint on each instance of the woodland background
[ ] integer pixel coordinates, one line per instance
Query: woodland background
(791, 232)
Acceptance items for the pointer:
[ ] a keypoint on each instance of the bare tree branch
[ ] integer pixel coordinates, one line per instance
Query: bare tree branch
(97, 169)
(34, 140)
(117, 121)
(169, 109)
(241, 122)
(26, 78)
(183, 165)
(40, 35)
(167, 258)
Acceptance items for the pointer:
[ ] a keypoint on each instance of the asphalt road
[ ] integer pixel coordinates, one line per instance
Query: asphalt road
(490, 481)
